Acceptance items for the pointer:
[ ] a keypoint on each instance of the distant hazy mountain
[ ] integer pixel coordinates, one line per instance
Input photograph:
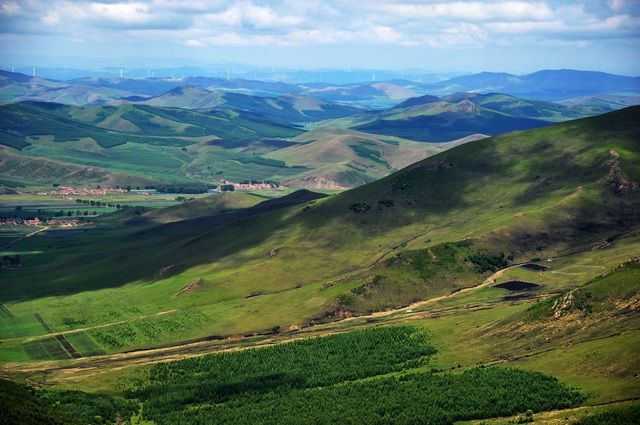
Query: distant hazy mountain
(432, 119)
(601, 103)
(235, 71)
(549, 85)
(542, 85)
(290, 107)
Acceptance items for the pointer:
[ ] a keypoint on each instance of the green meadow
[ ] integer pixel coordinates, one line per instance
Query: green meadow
(207, 316)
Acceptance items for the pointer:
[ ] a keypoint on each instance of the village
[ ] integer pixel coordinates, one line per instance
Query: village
(53, 222)
(226, 185)
(71, 191)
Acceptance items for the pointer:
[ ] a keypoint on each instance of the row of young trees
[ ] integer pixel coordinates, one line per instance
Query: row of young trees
(301, 364)
(94, 203)
(421, 398)
(338, 379)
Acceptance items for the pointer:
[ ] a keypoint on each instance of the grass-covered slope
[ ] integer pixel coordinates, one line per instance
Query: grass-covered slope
(431, 119)
(202, 207)
(440, 225)
(341, 158)
(111, 126)
(285, 108)
(602, 307)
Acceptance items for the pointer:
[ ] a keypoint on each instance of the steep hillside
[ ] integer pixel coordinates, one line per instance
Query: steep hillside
(441, 225)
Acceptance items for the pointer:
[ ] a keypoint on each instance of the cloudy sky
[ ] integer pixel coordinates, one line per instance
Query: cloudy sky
(499, 35)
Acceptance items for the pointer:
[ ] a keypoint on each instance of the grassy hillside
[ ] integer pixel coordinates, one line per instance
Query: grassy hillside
(149, 146)
(603, 306)
(285, 108)
(202, 207)
(341, 158)
(451, 117)
(462, 214)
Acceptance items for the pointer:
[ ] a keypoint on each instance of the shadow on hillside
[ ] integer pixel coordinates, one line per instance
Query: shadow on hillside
(468, 178)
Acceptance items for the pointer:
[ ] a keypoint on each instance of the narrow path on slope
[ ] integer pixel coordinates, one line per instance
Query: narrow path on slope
(490, 280)
(26, 236)
(68, 371)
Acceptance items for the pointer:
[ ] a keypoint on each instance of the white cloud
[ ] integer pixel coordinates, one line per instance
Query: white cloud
(194, 43)
(617, 5)
(472, 11)
(51, 19)
(128, 13)
(436, 23)
(9, 8)
(247, 14)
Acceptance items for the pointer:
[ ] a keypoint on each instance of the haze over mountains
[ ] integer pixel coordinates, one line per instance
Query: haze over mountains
(548, 85)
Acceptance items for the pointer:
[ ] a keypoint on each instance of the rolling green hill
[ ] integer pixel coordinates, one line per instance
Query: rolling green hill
(285, 108)
(342, 158)
(432, 119)
(440, 225)
(143, 144)
(148, 145)
(459, 283)
(111, 126)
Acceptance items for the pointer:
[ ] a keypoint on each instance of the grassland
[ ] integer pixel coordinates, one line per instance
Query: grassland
(294, 265)
(143, 145)
(432, 119)
(343, 158)
(424, 246)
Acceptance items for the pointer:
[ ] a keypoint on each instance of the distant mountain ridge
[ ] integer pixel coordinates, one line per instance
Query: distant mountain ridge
(549, 85)
(433, 119)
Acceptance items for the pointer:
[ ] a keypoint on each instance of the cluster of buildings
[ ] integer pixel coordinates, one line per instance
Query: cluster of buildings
(53, 222)
(72, 191)
(247, 185)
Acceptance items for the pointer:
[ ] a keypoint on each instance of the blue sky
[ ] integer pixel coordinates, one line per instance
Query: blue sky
(495, 35)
